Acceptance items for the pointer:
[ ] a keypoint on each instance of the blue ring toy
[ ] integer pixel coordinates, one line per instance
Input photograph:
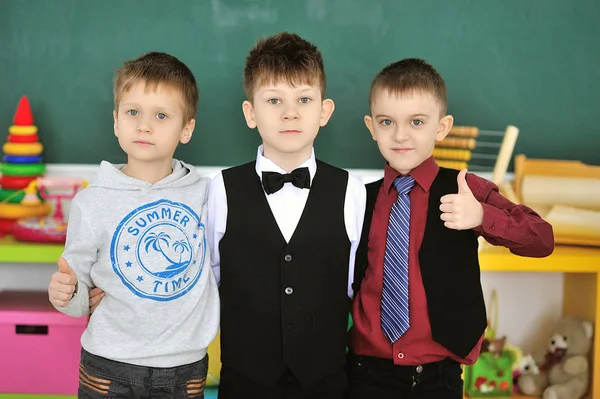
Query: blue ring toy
(22, 158)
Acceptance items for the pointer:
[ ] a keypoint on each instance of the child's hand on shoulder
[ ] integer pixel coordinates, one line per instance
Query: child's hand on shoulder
(96, 295)
(461, 211)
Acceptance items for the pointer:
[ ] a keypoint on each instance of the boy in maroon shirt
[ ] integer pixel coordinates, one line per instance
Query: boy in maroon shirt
(419, 313)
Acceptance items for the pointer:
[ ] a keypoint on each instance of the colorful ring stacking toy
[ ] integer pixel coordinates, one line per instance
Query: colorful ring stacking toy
(22, 148)
(32, 138)
(22, 169)
(22, 158)
(15, 182)
(23, 130)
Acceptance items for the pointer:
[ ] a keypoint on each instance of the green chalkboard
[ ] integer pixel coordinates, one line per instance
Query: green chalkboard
(530, 63)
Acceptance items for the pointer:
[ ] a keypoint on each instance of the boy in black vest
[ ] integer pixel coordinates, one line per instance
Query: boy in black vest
(420, 311)
(283, 232)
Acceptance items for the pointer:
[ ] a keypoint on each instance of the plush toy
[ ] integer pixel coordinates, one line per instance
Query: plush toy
(526, 365)
(564, 368)
(496, 346)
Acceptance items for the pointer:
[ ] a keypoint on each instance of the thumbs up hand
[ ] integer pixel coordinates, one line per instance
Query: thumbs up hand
(461, 211)
(62, 284)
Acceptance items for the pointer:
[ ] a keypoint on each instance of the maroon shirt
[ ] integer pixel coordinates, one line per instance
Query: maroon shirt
(517, 227)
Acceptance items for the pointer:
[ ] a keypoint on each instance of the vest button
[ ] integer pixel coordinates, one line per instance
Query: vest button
(419, 369)
(289, 290)
(287, 257)
(400, 355)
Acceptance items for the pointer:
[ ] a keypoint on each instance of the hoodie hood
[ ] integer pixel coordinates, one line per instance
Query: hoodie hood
(111, 176)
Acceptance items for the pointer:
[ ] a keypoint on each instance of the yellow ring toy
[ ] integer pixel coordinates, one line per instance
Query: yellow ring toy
(18, 211)
(22, 148)
(22, 169)
(23, 130)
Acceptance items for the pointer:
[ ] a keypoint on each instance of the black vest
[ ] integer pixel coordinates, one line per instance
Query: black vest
(449, 268)
(284, 306)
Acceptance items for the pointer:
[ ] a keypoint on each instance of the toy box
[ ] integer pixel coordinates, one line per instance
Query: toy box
(39, 346)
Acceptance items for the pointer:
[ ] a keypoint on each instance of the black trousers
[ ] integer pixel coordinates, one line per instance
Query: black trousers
(371, 377)
(104, 378)
(234, 385)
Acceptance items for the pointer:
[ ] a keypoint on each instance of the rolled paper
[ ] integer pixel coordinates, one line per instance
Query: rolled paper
(574, 224)
(569, 191)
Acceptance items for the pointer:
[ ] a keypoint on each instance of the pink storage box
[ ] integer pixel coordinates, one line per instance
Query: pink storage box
(39, 346)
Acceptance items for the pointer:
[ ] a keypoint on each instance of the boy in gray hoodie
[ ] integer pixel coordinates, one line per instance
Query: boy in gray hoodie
(138, 234)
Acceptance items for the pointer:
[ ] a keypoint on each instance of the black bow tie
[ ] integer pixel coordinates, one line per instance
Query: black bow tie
(273, 181)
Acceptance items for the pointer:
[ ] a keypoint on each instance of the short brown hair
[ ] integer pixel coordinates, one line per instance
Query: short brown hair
(156, 69)
(411, 74)
(283, 57)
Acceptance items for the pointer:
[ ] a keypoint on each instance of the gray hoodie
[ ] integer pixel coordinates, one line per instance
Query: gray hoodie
(145, 246)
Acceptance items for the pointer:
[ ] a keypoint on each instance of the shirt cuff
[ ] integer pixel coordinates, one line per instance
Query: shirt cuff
(494, 221)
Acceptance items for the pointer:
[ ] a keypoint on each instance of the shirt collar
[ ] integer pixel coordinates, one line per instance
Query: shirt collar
(264, 164)
(424, 174)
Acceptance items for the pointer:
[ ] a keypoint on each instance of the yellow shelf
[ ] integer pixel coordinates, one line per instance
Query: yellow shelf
(564, 259)
(581, 269)
(13, 251)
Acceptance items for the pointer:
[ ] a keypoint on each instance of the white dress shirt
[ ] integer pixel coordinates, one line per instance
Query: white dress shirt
(287, 206)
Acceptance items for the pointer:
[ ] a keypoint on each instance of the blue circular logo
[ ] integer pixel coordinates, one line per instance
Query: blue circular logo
(158, 250)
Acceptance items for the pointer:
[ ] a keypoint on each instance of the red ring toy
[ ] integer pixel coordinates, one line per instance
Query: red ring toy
(32, 138)
(16, 182)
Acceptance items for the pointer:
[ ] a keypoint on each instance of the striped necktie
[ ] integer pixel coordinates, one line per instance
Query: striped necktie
(394, 298)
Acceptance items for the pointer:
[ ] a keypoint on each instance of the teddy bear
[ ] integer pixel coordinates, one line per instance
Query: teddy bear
(564, 368)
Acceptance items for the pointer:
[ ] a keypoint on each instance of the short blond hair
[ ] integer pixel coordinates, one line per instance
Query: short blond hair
(156, 69)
